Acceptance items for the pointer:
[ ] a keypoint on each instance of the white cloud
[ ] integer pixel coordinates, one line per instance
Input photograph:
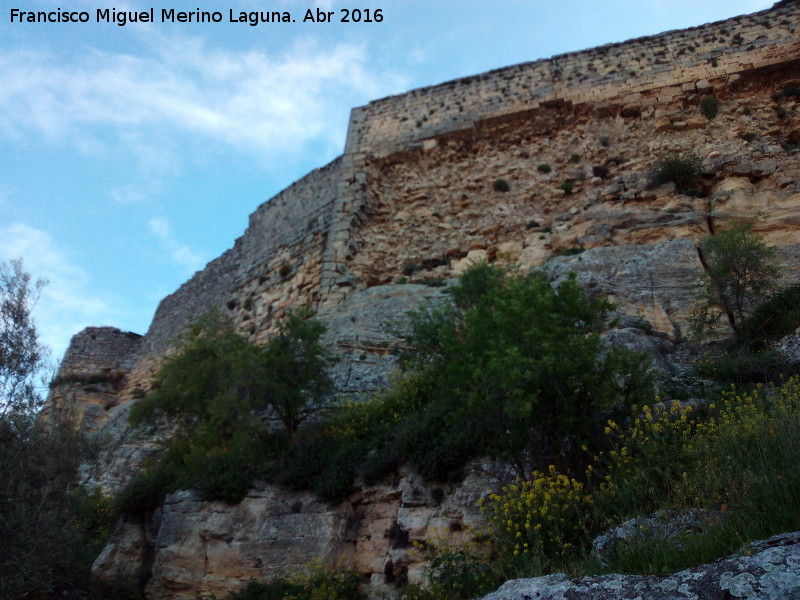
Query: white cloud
(160, 227)
(66, 305)
(271, 103)
(181, 254)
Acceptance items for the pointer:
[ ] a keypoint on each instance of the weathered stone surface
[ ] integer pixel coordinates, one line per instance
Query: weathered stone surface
(92, 374)
(789, 347)
(366, 333)
(769, 571)
(647, 281)
(192, 548)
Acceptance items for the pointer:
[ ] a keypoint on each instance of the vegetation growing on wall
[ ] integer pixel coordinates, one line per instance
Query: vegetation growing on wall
(522, 356)
(511, 353)
(735, 459)
(740, 272)
(681, 169)
(314, 584)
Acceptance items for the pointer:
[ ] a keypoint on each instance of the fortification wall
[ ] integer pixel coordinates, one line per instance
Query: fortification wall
(624, 78)
(303, 245)
(275, 264)
(99, 350)
(656, 66)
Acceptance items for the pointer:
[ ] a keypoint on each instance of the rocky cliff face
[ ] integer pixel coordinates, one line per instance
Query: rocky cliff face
(191, 548)
(411, 202)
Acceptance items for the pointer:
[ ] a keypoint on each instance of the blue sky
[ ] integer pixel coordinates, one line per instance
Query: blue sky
(131, 156)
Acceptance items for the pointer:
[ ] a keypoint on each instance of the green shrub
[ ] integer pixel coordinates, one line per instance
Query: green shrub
(740, 271)
(681, 169)
(776, 317)
(212, 389)
(501, 185)
(225, 476)
(455, 574)
(315, 584)
(748, 136)
(544, 168)
(710, 106)
(738, 458)
(645, 466)
(517, 355)
(744, 457)
(567, 187)
(145, 492)
(549, 515)
(649, 553)
(744, 366)
(787, 92)
(318, 462)
(409, 268)
(51, 528)
(575, 158)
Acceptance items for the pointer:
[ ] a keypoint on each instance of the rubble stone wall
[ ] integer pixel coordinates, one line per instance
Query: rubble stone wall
(98, 350)
(405, 192)
(657, 66)
(275, 264)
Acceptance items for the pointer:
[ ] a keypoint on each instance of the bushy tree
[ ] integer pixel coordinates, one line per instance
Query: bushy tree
(740, 272)
(219, 383)
(519, 367)
(50, 528)
(23, 359)
(293, 370)
(206, 389)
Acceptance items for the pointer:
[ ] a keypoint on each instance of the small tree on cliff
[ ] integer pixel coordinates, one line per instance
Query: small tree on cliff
(740, 272)
(219, 383)
(294, 370)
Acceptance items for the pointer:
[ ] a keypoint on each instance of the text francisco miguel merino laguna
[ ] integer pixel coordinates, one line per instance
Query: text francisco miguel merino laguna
(170, 15)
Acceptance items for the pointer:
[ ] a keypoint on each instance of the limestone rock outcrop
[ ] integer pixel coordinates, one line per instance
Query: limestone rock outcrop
(190, 547)
(767, 570)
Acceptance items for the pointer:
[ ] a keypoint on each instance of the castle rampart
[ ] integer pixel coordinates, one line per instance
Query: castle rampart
(299, 245)
(614, 72)
(276, 263)
(101, 350)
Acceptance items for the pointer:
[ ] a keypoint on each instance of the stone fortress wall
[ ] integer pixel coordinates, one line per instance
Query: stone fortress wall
(642, 72)
(274, 264)
(657, 66)
(299, 246)
(101, 351)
